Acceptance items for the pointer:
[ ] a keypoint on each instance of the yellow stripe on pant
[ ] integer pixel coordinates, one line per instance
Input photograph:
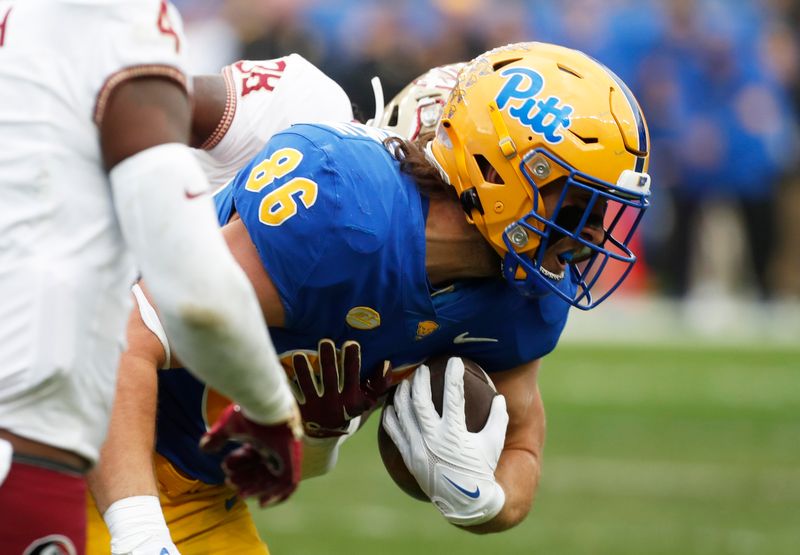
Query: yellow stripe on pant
(202, 519)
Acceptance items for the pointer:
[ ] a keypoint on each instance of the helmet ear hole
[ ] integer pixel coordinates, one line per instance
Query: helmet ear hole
(490, 174)
(471, 201)
(504, 63)
(395, 116)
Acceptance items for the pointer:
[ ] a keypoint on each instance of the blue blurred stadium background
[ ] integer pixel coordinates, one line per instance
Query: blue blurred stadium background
(719, 81)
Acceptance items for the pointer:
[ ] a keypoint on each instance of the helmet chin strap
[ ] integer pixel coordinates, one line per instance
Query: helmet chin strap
(432, 159)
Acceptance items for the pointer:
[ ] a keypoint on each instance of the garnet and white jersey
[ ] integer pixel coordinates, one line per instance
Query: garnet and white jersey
(265, 97)
(64, 270)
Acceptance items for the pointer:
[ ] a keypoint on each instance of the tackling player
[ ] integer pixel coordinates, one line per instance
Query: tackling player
(94, 121)
(349, 233)
(234, 115)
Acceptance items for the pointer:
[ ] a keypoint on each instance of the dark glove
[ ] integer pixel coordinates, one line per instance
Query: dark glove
(267, 465)
(329, 402)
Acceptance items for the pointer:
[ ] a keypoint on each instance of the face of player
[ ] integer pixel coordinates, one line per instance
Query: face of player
(559, 249)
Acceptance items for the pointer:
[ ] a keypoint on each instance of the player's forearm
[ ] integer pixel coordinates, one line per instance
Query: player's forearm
(123, 483)
(206, 303)
(518, 474)
(226, 344)
(519, 466)
(125, 468)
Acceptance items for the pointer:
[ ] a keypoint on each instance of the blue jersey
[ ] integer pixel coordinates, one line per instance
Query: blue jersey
(341, 232)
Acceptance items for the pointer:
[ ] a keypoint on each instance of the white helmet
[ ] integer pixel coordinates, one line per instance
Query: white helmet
(417, 108)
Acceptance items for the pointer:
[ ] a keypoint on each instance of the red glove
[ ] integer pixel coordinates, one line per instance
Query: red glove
(267, 465)
(329, 402)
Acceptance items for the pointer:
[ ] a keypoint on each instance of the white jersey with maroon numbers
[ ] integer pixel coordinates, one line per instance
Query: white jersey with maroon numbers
(265, 97)
(64, 270)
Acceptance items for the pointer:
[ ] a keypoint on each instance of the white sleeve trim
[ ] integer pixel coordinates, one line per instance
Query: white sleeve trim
(150, 319)
(6, 452)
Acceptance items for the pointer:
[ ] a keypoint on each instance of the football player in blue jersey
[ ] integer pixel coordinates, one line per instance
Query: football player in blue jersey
(475, 244)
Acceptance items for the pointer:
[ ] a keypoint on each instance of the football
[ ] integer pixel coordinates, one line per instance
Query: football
(478, 395)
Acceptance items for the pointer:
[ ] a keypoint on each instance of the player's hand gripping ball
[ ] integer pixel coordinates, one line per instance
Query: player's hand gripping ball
(478, 396)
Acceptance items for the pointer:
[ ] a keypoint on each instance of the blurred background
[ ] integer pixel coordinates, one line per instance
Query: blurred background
(674, 411)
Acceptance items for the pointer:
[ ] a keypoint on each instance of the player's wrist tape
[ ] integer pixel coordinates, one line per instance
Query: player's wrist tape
(320, 454)
(153, 323)
(135, 521)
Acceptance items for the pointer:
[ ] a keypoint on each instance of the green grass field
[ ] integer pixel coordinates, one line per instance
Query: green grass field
(649, 451)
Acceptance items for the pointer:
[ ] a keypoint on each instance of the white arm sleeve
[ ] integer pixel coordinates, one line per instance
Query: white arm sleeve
(205, 301)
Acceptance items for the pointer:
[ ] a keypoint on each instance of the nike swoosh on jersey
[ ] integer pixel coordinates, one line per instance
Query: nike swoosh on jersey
(462, 338)
(193, 195)
(230, 502)
(472, 494)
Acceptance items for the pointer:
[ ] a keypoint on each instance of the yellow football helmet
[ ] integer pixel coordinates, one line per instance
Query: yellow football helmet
(537, 113)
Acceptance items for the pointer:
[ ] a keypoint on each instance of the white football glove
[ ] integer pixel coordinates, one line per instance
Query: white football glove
(454, 467)
(137, 527)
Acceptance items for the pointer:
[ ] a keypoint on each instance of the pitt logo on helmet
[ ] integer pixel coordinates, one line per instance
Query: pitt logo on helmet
(544, 117)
